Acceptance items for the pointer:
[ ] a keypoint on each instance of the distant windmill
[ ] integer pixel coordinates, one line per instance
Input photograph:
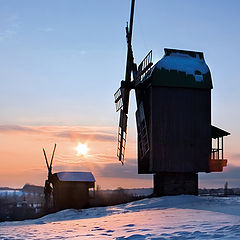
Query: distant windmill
(49, 181)
(66, 189)
(173, 118)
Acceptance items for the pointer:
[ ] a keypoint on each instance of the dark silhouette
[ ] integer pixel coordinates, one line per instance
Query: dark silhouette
(173, 118)
(47, 194)
(66, 189)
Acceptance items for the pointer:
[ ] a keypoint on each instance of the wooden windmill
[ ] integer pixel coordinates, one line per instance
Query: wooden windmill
(173, 118)
(66, 189)
(48, 188)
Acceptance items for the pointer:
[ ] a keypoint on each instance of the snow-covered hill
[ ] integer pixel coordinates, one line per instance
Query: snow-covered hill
(179, 217)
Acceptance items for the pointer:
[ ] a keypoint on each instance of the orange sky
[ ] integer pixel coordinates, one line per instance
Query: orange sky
(22, 157)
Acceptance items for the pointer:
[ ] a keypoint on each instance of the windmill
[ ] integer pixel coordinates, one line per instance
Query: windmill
(173, 117)
(66, 189)
(49, 181)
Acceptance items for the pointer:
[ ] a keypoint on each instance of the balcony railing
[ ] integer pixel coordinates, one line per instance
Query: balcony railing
(217, 161)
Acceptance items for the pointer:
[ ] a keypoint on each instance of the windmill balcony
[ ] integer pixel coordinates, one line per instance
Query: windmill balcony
(216, 164)
(217, 161)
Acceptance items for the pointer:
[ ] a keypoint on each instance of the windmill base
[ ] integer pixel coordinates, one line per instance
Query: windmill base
(175, 184)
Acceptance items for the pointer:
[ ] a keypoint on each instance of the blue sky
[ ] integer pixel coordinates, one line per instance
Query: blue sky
(61, 61)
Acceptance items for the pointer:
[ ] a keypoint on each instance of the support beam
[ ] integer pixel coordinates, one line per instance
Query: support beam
(175, 184)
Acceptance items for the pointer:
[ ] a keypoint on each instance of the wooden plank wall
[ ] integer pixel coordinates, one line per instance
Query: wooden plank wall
(181, 129)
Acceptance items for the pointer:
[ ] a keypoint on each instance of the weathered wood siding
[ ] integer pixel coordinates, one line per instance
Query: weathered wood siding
(181, 129)
(70, 195)
(144, 95)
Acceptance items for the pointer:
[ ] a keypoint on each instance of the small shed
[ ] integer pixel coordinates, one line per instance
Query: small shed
(71, 189)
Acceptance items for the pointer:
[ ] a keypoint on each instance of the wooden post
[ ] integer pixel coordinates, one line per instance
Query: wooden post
(222, 147)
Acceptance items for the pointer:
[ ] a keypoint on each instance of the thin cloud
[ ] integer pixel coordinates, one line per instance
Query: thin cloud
(71, 134)
(67, 132)
(17, 128)
(235, 156)
(229, 173)
(9, 27)
(107, 170)
(115, 170)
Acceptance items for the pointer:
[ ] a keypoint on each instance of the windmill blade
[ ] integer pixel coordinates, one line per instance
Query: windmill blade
(118, 99)
(122, 94)
(122, 134)
(131, 20)
(122, 97)
(125, 96)
(46, 159)
(52, 156)
(130, 61)
(143, 67)
(142, 131)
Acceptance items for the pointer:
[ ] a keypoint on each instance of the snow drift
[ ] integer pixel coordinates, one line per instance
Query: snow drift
(179, 217)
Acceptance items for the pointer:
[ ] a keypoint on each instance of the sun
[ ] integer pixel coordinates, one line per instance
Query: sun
(81, 149)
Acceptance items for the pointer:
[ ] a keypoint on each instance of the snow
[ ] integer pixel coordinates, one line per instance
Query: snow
(184, 63)
(177, 217)
(76, 176)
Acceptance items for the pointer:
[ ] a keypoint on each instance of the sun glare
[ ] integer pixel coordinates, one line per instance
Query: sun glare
(81, 149)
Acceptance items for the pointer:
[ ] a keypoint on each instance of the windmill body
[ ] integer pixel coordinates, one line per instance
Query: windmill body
(173, 116)
(176, 105)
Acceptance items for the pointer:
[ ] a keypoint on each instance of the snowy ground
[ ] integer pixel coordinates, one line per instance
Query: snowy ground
(179, 217)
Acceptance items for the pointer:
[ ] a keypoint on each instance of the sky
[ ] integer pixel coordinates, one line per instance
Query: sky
(61, 62)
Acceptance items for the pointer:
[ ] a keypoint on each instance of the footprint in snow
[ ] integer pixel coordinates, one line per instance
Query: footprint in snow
(129, 225)
(97, 229)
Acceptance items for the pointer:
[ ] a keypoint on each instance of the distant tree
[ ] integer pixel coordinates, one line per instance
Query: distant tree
(98, 188)
(226, 189)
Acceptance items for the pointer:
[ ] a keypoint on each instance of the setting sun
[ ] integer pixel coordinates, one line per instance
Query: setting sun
(81, 149)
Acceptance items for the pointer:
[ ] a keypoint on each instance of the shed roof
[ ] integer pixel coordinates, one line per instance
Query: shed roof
(218, 132)
(76, 176)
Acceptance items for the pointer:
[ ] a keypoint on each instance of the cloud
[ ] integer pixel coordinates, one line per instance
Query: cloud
(116, 170)
(107, 170)
(67, 132)
(73, 134)
(230, 174)
(9, 26)
(16, 128)
(235, 156)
